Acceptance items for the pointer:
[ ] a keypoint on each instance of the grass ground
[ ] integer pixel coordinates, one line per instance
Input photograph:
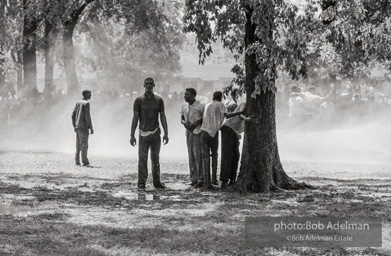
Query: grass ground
(48, 206)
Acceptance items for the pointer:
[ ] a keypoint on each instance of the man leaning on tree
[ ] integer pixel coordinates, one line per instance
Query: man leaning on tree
(211, 123)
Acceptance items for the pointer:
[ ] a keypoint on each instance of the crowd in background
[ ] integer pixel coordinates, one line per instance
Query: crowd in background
(331, 103)
(349, 100)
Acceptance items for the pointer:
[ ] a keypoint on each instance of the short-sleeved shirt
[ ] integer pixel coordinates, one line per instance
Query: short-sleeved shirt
(235, 122)
(192, 113)
(213, 117)
(149, 109)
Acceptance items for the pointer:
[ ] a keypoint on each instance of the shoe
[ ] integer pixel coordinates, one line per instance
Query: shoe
(193, 183)
(161, 186)
(87, 165)
(199, 185)
(231, 182)
(78, 164)
(141, 186)
(215, 183)
(224, 185)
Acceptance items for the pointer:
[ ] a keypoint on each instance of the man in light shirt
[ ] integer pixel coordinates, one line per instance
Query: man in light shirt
(212, 120)
(81, 121)
(147, 109)
(191, 118)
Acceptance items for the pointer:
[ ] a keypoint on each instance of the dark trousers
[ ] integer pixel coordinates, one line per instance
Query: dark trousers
(195, 157)
(152, 142)
(82, 146)
(230, 154)
(209, 147)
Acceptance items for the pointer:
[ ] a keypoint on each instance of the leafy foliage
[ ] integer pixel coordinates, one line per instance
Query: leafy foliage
(324, 37)
(134, 41)
(128, 38)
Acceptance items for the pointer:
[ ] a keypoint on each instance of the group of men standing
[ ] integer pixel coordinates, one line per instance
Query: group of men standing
(202, 123)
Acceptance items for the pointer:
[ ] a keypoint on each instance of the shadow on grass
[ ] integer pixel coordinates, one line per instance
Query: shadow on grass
(34, 236)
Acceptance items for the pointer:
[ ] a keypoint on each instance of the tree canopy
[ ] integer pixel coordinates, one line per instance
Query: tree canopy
(134, 35)
(322, 37)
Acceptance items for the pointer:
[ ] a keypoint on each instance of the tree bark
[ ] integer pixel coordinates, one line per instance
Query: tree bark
(261, 169)
(69, 60)
(50, 42)
(69, 52)
(2, 46)
(29, 50)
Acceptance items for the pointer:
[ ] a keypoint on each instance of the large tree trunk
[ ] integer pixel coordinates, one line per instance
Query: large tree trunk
(261, 169)
(29, 50)
(50, 42)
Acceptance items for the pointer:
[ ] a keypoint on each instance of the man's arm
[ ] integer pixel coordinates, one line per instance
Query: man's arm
(228, 115)
(136, 116)
(185, 123)
(87, 117)
(163, 120)
(195, 124)
(324, 99)
(74, 118)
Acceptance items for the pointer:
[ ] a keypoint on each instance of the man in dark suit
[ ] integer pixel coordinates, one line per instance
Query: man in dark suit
(81, 120)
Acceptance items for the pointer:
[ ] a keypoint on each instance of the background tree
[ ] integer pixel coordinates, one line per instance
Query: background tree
(2, 45)
(30, 24)
(51, 30)
(70, 14)
(124, 51)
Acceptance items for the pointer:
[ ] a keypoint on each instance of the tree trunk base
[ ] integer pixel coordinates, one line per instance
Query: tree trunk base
(262, 171)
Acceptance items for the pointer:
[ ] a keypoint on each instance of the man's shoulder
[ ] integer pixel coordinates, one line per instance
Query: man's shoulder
(141, 97)
(82, 102)
(199, 104)
(157, 97)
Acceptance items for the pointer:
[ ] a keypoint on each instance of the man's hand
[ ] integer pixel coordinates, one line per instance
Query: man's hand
(133, 141)
(91, 130)
(251, 119)
(75, 129)
(192, 126)
(188, 125)
(165, 139)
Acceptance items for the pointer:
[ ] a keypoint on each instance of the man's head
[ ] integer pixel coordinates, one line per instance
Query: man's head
(190, 94)
(149, 84)
(217, 96)
(86, 94)
(295, 88)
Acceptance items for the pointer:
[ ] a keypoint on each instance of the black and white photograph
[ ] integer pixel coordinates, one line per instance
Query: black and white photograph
(195, 127)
